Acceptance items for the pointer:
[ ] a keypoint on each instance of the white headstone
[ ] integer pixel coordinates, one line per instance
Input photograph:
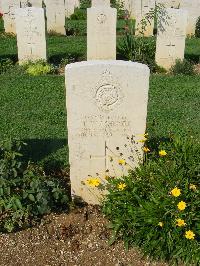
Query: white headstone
(31, 40)
(35, 3)
(9, 8)
(101, 33)
(170, 44)
(106, 105)
(70, 6)
(55, 12)
(140, 9)
(169, 3)
(193, 8)
(1, 10)
(97, 3)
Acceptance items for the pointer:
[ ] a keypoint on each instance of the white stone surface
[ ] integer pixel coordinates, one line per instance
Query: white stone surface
(70, 6)
(170, 44)
(106, 105)
(24, 3)
(55, 12)
(9, 7)
(36, 3)
(193, 8)
(1, 10)
(31, 40)
(140, 9)
(101, 33)
(98, 3)
(169, 3)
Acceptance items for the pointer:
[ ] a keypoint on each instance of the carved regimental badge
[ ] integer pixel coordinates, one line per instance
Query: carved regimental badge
(107, 93)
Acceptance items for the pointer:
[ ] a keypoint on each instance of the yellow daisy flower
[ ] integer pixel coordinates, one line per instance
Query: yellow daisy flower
(122, 162)
(193, 187)
(142, 140)
(121, 186)
(189, 234)
(162, 153)
(160, 224)
(176, 192)
(93, 182)
(145, 149)
(181, 205)
(180, 222)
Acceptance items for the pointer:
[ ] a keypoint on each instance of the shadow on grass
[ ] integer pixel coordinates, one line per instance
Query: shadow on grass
(12, 57)
(52, 153)
(192, 57)
(71, 57)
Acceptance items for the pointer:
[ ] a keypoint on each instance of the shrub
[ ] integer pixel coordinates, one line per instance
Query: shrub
(76, 27)
(38, 68)
(5, 65)
(25, 192)
(197, 29)
(138, 49)
(157, 206)
(184, 67)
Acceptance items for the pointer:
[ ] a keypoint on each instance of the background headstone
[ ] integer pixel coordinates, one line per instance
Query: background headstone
(35, 3)
(70, 6)
(55, 12)
(9, 7)
(170, 44)
(169, 3)
(97, 3)
(106, 105)
(101, 33)
(193, 8)
(140, 9)
(31, 40)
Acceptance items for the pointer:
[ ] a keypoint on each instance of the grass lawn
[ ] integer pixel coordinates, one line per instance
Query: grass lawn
(33, 109)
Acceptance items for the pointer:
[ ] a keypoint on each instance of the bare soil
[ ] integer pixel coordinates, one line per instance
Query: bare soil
(79, 238)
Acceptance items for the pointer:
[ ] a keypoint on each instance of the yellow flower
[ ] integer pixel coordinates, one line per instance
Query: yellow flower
(189, 234)
(176, 192)
(193, 187)
(160, 224)
(145, 149)
(180, 222)
(122, 162)
(93, 182)
(162, 153)
(121, 186)
(181, 205)
(142, 140)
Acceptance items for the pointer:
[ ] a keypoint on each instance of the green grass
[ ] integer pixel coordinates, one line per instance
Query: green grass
(33, 109)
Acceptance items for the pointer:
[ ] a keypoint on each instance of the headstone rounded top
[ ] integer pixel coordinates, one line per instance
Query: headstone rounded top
(108, 63)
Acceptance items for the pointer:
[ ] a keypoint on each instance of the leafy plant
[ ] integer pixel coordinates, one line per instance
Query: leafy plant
(139, 49)
(26, 193)
(157, 206)
(184, 67)
(39, 68)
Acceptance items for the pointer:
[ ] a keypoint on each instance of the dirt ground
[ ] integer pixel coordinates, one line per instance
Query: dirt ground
(78, 239)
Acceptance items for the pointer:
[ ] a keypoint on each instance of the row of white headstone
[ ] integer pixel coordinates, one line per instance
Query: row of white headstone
(56, 11)
(138, 9)
(101, 34)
